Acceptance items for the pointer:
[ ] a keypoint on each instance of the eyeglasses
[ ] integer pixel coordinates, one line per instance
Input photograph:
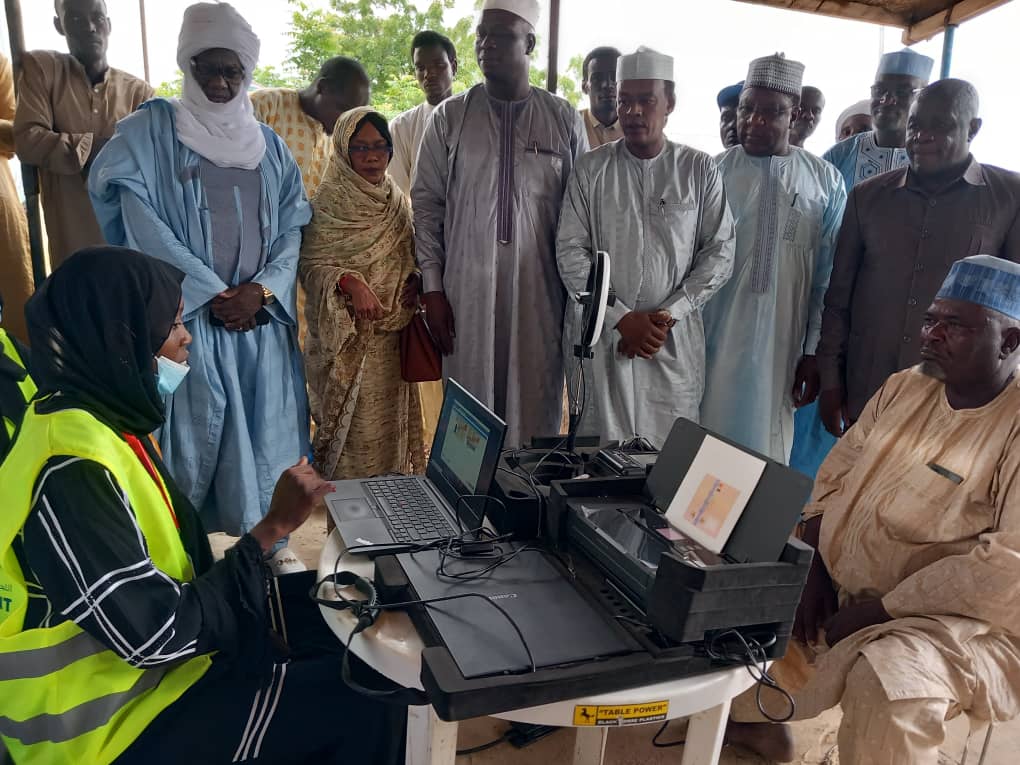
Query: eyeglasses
(379, 148)
(901, 93)
(208, 72)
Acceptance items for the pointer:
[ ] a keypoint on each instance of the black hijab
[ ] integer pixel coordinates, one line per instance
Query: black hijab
(95, 326)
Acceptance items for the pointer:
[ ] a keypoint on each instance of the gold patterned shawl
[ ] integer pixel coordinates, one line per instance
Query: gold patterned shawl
(364, 230)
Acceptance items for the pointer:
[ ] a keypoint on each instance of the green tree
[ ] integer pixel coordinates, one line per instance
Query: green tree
(171, 88)
(378, 33)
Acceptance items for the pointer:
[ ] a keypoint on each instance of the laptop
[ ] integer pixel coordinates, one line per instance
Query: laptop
(559, 625)
(447, 501)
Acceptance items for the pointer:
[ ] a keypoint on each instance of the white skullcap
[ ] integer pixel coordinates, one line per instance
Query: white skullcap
(861, 107)
(644, 64)
(529, 10)
(216, 25)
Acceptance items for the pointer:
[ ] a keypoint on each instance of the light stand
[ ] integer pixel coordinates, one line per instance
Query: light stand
(594, 301)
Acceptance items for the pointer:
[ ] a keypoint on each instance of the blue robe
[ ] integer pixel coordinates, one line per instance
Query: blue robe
(787, 211)
(241, 416)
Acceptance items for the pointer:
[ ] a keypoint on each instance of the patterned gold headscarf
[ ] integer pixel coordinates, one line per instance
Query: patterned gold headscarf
(362, 230)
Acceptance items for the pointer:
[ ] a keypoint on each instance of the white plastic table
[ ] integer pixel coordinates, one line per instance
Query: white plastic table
(392, 647)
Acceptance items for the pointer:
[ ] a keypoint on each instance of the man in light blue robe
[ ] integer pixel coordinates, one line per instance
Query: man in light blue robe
(762, 327)
(900, 75)
(200, 185)
(659, 210)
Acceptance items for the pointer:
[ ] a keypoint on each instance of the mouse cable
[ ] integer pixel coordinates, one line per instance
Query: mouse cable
(367, 618)
(754, 658)
(488, 498)
(365, 623)
(666, 744)
(486, 746)
(396, 548)
(497, 558)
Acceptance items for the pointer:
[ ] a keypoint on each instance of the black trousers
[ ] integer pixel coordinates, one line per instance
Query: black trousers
(302, 713)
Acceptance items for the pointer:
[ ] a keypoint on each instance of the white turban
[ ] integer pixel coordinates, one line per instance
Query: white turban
(228, 135)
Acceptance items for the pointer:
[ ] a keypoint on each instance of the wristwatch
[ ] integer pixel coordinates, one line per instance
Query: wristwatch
(267, 295)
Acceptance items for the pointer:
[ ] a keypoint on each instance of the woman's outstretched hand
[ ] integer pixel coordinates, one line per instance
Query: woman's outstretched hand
(297, 492)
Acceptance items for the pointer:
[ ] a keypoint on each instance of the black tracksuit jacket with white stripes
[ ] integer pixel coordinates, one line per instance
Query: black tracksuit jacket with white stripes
(85, 559)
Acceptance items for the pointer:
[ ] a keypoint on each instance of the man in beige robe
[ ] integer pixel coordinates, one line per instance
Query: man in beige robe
(68, 106)
(916, 519)
(304, 119)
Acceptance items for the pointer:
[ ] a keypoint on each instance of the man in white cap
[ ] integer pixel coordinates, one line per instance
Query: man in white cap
(916, 519)
(199, 183)
(901, 75)
(763, 325)
(901, 232)
(659, 210)
(492, 169)
(855, 119)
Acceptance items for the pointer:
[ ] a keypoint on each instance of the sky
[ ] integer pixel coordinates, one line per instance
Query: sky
(712, 42)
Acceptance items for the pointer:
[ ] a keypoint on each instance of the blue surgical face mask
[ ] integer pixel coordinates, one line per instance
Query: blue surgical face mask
(169, 375)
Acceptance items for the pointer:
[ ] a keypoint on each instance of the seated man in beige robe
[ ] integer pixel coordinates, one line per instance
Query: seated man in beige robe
(916, 519)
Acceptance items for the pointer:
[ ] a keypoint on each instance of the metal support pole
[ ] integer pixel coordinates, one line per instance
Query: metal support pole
(554, 45)
(29, 175)
(947, 50)
(145, 40)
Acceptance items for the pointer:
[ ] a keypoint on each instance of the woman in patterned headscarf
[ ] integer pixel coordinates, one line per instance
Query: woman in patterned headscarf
(357, 267)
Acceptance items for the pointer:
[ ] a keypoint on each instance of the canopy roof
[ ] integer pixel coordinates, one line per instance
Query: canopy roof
(919, 19)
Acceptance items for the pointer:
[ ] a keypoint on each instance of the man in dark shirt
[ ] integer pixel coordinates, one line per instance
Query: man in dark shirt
(901, 232)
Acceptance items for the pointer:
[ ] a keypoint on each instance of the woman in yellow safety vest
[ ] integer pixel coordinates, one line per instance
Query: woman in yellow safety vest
(16, 387)
(120, 640)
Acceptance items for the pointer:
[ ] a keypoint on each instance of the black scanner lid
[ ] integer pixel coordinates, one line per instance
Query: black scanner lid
(772, 512)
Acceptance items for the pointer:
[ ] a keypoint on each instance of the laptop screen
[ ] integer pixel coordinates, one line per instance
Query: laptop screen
(466, 448)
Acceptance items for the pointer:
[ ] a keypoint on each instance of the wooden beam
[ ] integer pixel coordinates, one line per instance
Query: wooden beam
(849, 9)
(29, 175)
(552, 72)
(958, 13)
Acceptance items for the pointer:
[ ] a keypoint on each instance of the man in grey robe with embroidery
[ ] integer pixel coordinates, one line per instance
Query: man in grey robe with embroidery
(492, 170)
(659, 210)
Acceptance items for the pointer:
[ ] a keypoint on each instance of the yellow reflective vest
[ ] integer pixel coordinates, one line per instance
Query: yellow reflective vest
(64, 697)
(26, 386)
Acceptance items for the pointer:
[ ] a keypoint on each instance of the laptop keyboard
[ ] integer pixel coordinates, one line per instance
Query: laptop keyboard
(412, 514)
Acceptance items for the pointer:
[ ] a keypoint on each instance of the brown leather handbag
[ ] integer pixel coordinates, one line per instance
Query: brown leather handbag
(420, 360)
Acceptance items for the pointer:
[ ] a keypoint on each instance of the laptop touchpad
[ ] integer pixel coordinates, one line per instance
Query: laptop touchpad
(350, 508)
(371, 531)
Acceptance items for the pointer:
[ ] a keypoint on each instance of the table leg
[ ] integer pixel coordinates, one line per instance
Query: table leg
(705, 733)
(430, 741)
(590, 745)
